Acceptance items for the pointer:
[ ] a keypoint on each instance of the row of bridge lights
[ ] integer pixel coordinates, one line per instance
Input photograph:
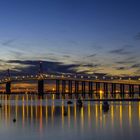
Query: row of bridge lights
(62, 76)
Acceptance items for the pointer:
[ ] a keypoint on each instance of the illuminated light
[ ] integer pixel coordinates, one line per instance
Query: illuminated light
(31, 75)
(68, 115)
(62, 76)
(117, 91)
(23, 111)
(130, 113)
(31, 109)
(139, 79)
(121, 114)
(82, 118)
(62, 113)
(53, 89)
(112, 115)
(52, 112)
(66, 91)
(103, 77)
(101, 92)
(69, 76)
(96, 114)
(40, 116)
(89, 114)
(52, 76)
(46, 112)
(16, 106)
(139, 112)
(112, 78)
(82, 77)
(120, 78)
(75, 114)
(101, 116)
(96, 77)
(129, 78)
(88, 76)
(75, 76)
(53, 96)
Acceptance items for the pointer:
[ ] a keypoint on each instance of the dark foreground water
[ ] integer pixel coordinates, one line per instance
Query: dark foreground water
(44, 119)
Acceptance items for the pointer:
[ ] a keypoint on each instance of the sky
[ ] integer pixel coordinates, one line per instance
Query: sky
(71, 36)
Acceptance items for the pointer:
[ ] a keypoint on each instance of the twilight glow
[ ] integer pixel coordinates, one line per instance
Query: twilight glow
(86, 36)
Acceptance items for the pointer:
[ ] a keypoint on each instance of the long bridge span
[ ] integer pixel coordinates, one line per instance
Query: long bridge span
(74, 82)
(76, 85)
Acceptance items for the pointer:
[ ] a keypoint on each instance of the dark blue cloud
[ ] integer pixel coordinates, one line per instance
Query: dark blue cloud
(121, 68)
(137, 36)
(121, 51)
(48, 67)
(136, 65)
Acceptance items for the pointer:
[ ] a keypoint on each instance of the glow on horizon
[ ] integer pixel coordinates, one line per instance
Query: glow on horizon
(97, 37)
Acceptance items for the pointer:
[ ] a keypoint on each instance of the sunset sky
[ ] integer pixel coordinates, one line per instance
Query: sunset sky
(86, 36)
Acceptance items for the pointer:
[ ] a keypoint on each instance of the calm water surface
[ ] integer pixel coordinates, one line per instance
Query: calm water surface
(44, 119)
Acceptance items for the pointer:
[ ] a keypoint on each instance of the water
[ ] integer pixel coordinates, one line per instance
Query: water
(44, 119)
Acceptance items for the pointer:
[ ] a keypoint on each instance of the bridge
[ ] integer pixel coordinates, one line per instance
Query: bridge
(77, 84)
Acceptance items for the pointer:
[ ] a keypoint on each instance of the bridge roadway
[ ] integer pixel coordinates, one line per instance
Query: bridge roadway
(62, 80)
(53, 77)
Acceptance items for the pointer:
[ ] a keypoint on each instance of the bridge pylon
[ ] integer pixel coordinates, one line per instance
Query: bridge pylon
(8, 83)
(40, 80)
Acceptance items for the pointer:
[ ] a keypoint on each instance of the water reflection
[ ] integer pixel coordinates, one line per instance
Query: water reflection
(41, 115)
(121, 115)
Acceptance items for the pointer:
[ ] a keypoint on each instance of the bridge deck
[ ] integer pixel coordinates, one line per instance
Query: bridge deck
(35, 78)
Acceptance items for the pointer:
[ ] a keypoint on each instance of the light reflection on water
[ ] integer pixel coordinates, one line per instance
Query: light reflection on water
(45, 119)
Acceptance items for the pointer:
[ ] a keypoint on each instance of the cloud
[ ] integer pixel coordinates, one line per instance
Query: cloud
(124, 50)
(91, 56)
(48, 67)
(121, 51)
(125, 62)
(91, 65)
(66, 56)
(121, 68)
(137, 36)
(8, 42)
(136, 65)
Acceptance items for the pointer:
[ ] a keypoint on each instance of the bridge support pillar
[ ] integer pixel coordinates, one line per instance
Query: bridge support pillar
(83, 88)
(113, 88)
(41, 87)
(98, 89)
(63, 87)
(139, 90)
(106, 89)
(70, 88)
(76, 88)
(131, 90)
(122, 90)
(90, 85)
(58, 87)
(8, 87)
